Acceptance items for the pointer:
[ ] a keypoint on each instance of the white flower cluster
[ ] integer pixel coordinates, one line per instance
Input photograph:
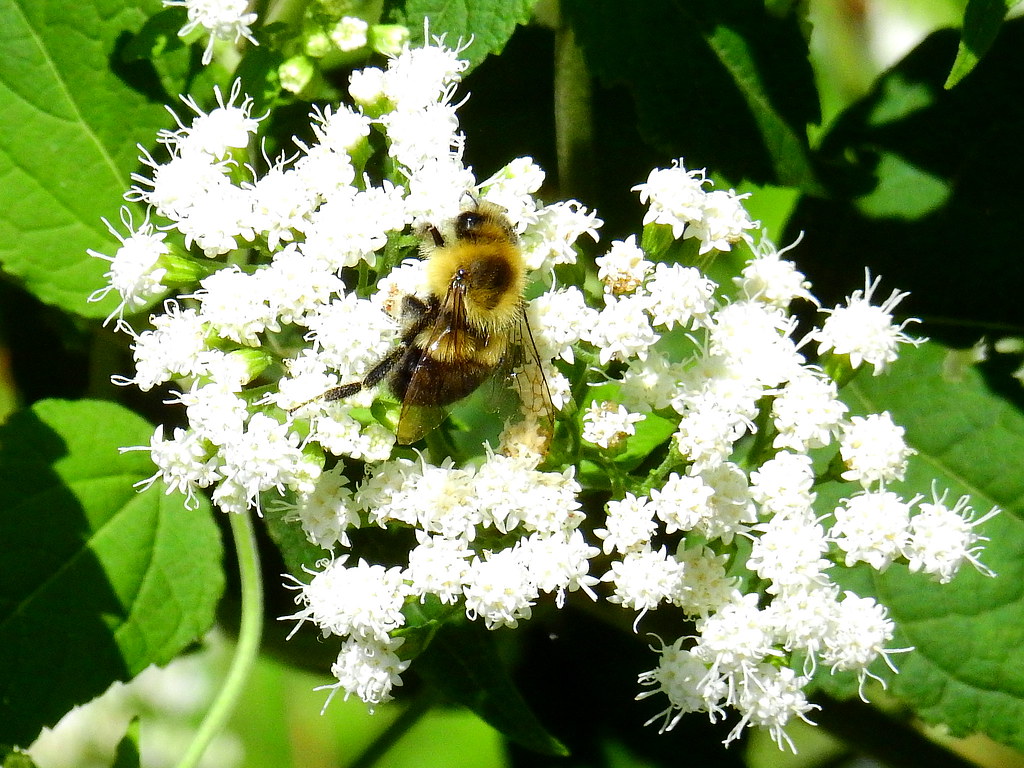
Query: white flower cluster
(269, 323)
(454, 512)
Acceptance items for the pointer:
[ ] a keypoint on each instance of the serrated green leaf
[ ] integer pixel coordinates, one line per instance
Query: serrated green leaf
(725, 84)
(967, 671)
(98, 580)
(71, 113)
(488, 23)
(982, 21)
(463, 665)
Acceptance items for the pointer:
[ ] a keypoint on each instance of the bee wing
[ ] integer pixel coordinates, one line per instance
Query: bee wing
(526, 368)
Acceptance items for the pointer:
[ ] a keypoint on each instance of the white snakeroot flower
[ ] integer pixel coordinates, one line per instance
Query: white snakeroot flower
(649, 384)
(607, 424)
(865, 333)
(622, 329)
(513, 188)
(178, 184)
(768, 698)
(340, 129)
(676, 196)
(723, 221)
(783, 485)
(559, 564)
(873, 527)
(368, 667)
(873, 450)
(732, 508)
(804, 619)
(216, 133)
(682, 503)
(756, 339)
(623, 268)
(685, 679)
(214, 411)
(706, 587)
(235, 305)
(556, 228)
(136, 271)
(706, 435)
(438, 566)
(858, 636)
(942, 538)
(720, 385)
(328, 512)
(280, 202)
(351, 334)
(509, 491)
(680, 295)
(185, 462)
(736, 638)
(559, 319)
(268, 456)
(807, 411)
(353, 225)
(222, 19)
(296, 287)
(366, 86)
(773, 280)
(174, 347)
(342, 435)
(629, 525)
(499, 589)
(645, 579)
(219, 217)
(423, 136)
(364, 601)
(789, 552)
(419, 77)
(442, 499)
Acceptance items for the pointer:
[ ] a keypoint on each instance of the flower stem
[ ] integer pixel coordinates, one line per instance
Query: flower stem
(247, 647)
(411, 715)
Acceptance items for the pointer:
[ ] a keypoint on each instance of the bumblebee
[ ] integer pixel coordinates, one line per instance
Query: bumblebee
(471, 327)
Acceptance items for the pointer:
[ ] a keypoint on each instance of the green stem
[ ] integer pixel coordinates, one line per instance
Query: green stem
(574, 140)
(412, 714)
(247, 647)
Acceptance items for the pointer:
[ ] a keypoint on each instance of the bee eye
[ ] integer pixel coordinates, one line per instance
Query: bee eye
(467, 224)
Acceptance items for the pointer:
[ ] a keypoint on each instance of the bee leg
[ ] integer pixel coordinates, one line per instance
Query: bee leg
(413, 311)
(372, 378)
(435, 235)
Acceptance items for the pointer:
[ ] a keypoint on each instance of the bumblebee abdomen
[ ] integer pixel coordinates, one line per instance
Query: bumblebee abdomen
(438, 383)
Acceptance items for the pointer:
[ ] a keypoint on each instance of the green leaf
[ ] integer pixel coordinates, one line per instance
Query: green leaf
(16, 760)
(463, 665)
(725, 84)
(923, 186)
(967, 671)
(488, 23)
(71, 113)
(982, 21)
(98, 580)
(299, 553)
